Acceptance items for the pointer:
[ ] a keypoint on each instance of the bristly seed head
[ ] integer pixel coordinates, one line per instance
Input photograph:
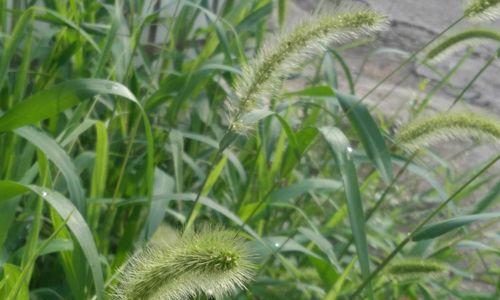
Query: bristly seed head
(488, 10)
(262, 77)
(213, 262)
(448, 126)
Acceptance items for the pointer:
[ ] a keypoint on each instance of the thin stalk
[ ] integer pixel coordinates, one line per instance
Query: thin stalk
(34, 233)
(473, 80)
(409, 59)
(442, 82)
(409, 237)
(191, 215)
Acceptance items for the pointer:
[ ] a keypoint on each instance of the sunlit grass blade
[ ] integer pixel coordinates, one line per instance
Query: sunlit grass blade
(341, 151)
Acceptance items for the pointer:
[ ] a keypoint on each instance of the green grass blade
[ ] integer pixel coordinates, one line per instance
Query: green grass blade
(100, 172)
(303, 186)
(76, 223)
(339, 146)
(488, 200)
(11, 274)
(10, 47)
(369, 134)
(50, 102)
(437, 229)
(163, 184)
(62, 161)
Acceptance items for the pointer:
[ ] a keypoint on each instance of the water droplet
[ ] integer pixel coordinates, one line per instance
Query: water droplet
(276, 245)
(44, 194)
(349, 149)
(210, 292)
(115, 87)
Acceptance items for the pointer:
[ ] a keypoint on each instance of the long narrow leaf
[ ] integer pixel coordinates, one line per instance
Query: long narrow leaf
(76, 223)
(339, 146)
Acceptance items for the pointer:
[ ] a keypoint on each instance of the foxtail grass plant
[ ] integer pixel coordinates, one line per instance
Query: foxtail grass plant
(410, 267)
(448, 45)
(284, 54)
(261, 78)
(449, 126)
(212, 262)
(93, 170)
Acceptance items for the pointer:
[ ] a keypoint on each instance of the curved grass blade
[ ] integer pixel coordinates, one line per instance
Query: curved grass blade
(362, 122)
(50, 102)
(303, 186)
(368, 133)
(339, 146)
(59, 157)
(76, 223)
(488, 200)
(437, 229)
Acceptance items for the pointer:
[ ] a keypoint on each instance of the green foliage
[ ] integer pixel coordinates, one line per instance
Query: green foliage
(262, 77)
(320, 201)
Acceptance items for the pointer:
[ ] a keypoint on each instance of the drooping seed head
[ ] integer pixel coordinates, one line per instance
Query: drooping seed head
(448, 126)
(282, 55)
(482, 10)
(470, 37)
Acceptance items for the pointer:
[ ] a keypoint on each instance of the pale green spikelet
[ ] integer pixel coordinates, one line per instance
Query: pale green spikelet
(282, 55)
(213, 262)
(454, 43)
(411, 269)
(482, 10)
(415, 266)
(448, 126)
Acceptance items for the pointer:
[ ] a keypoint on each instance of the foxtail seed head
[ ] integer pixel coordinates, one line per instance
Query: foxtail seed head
(456, 42)
(262, 77)
(414, 268)
(448, 126)
(214, 262)
(482, 10)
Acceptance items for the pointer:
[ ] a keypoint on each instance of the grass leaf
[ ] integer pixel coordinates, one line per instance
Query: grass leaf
(339, 146)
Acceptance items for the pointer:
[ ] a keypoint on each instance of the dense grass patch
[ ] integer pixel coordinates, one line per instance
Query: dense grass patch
(154, 149)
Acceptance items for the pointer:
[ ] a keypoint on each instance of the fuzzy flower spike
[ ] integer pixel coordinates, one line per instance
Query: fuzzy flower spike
(213, 262)
(482, 10)
(262, 77)
(448, 126)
